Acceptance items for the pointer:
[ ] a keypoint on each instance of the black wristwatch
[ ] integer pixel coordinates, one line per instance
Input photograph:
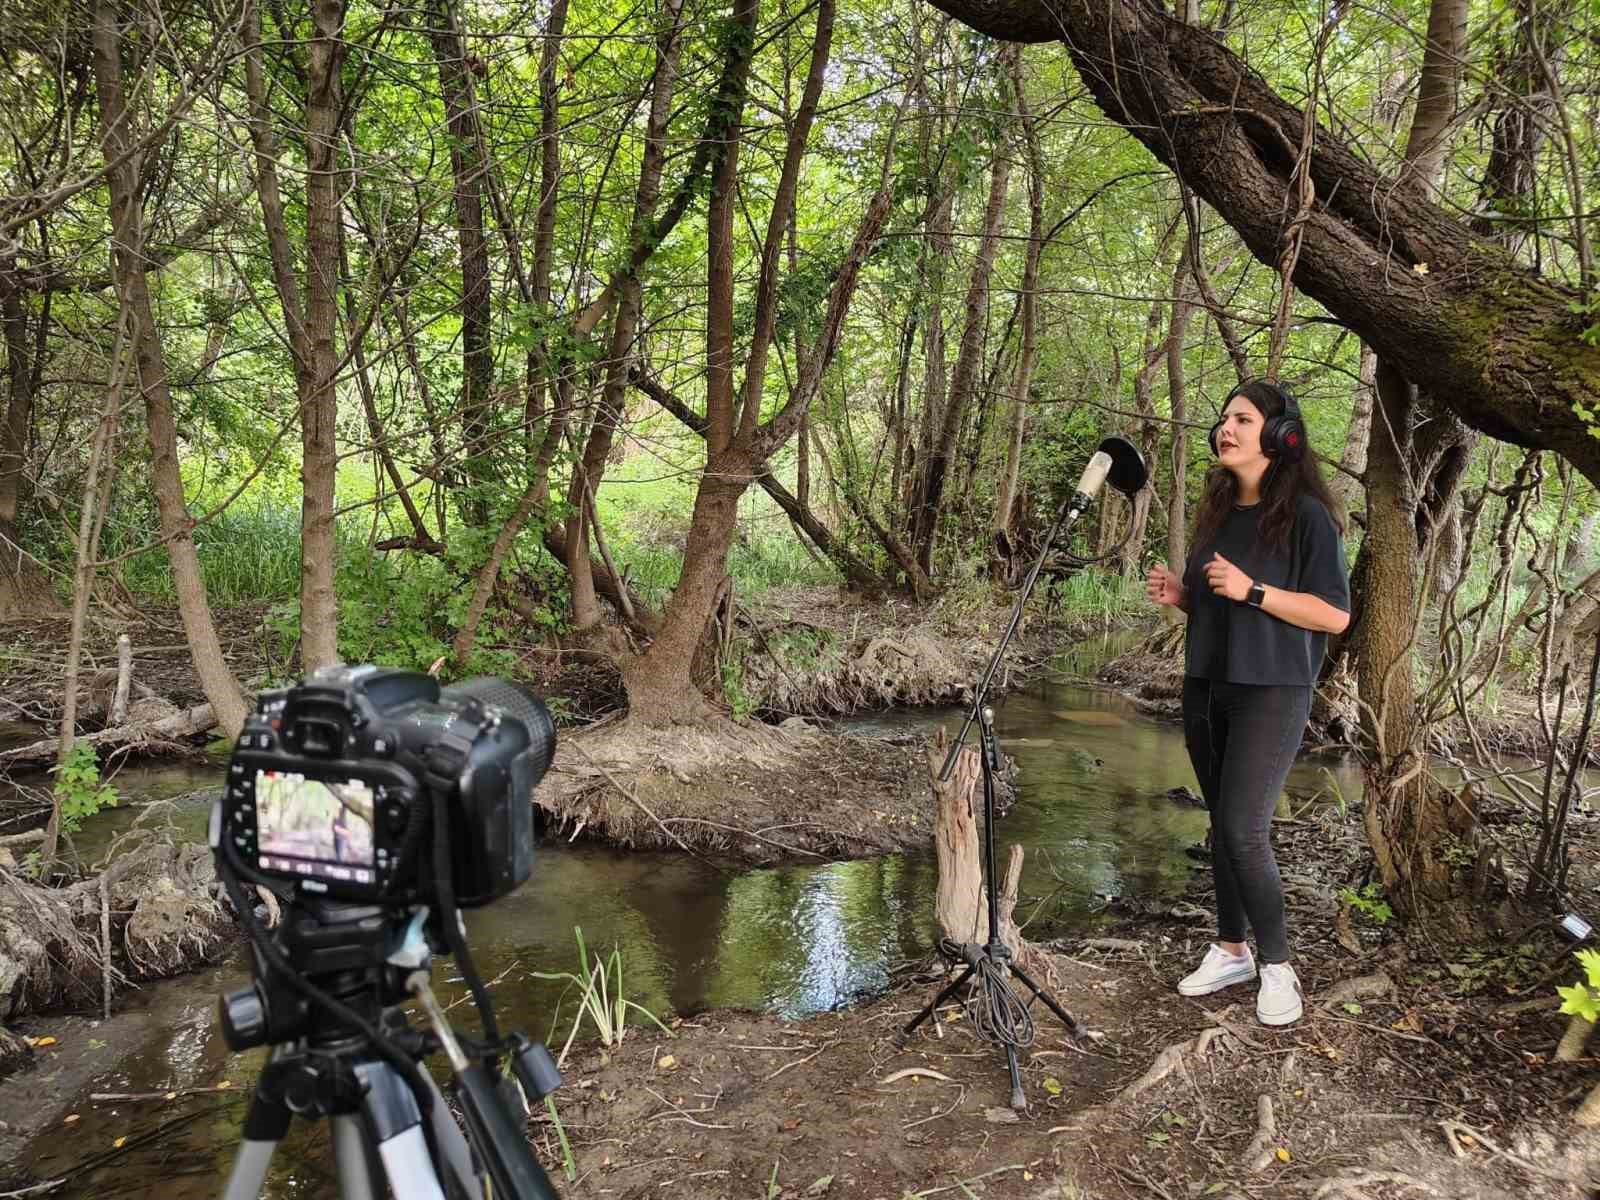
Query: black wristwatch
(1257, 595)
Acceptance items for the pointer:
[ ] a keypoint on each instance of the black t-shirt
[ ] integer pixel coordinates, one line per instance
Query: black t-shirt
(1231, 642)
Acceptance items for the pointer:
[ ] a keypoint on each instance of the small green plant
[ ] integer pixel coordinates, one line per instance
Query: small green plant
(79, 791)
(601, 998)
(569, 1164)
(733, 689)
(1583, 999)
(1369, 902)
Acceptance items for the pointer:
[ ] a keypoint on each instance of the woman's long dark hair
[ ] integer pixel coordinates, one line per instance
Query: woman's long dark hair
(1281, 487)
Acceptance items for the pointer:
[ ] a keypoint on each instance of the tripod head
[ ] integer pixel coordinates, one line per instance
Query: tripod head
(344, 950)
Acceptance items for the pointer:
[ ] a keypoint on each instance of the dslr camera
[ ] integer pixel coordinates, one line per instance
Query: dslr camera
(332, 787)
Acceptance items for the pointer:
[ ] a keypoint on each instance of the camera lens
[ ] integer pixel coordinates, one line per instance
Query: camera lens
(514, 701)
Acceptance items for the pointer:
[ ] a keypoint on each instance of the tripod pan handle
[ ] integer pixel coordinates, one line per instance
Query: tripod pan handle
(500, 1144)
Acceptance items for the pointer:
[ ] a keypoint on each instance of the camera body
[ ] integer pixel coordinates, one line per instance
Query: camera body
(333, 782)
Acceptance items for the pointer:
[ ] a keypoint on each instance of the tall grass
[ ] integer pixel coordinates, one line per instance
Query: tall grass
(1100, 596)
(247, 555)
(757, 566)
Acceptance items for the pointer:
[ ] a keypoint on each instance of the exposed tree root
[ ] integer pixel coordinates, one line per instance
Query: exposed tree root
(1263, 1148)
(798, 793)
(159, 916)
(1362, 987)
(1168, 1061)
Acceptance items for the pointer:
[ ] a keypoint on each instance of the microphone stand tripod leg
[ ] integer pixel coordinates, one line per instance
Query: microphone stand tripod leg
(1073, 1028)
(1019, 1102)
(931, 1009)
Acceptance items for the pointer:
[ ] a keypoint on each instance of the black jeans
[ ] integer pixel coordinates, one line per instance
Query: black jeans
(1242, 739)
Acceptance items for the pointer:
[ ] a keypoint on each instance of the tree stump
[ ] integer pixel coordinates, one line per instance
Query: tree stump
(960, 904)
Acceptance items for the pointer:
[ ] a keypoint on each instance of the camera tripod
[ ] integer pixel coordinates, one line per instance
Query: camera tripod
(389, 1120)
(1002, 1017)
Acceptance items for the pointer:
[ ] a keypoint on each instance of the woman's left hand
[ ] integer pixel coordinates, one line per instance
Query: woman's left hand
(1225, 579)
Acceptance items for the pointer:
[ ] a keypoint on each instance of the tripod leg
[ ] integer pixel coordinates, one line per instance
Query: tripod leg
(1071, 1022)
(351, 1159)
(934, 1004)
(392, 1116)
(447, 1136)
(1019, 1102)
(264, 1127)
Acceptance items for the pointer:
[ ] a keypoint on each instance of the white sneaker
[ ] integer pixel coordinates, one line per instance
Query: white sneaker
(1218, 970)
(1278, 1002)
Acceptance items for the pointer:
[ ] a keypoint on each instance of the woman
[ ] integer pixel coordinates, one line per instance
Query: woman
(1263, 588)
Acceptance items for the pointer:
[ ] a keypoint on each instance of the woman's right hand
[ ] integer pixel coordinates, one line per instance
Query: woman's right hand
(1163, 586)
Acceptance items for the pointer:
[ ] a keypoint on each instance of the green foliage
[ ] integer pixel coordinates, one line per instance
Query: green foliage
(1098, 596)
(402, 609)
(247, 554)
(79, 791)
(1369, 902)
(1583, 999)
(1506, 968)
(733, 690)
(600, 997)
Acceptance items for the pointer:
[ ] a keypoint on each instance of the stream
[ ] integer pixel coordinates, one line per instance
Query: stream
(1091, 810)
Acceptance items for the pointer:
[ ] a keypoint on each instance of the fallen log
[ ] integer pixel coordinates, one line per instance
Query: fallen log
(173, 727)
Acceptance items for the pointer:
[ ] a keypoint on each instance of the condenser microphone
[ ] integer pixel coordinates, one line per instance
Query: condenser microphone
(1117, 460)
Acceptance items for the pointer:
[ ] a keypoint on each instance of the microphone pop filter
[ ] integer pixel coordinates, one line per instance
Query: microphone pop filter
(1128, 472)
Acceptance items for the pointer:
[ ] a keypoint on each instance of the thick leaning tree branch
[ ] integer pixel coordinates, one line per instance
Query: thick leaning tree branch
(1451, 310)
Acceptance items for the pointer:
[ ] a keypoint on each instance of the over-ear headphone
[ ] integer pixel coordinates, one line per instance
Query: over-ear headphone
(1283, 437)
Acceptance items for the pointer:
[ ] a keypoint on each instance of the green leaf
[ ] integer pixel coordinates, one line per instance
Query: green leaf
(1579, 1001)
(1351, 1007)
(1052, 1085)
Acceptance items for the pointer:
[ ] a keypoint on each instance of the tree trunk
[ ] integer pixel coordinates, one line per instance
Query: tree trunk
(1347, 487)
(1178, 406)
(1028, 354)
(660, 682)
(969, 358)
(620, 361)
(1405, 815)
(1153, 356)
(319, 413)
(128, 262)
(661, 689)
(467, 169)
(1490, 338)
(24, 588)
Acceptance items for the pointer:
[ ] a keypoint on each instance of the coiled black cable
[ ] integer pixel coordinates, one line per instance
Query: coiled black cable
(997, 1013)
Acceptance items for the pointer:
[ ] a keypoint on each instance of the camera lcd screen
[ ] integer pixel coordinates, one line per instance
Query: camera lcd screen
(314, 827)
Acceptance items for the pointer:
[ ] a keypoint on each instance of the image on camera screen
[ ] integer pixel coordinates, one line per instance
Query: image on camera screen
(311, 827)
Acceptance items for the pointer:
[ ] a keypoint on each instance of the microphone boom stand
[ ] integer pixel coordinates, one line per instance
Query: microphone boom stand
(995, 952)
